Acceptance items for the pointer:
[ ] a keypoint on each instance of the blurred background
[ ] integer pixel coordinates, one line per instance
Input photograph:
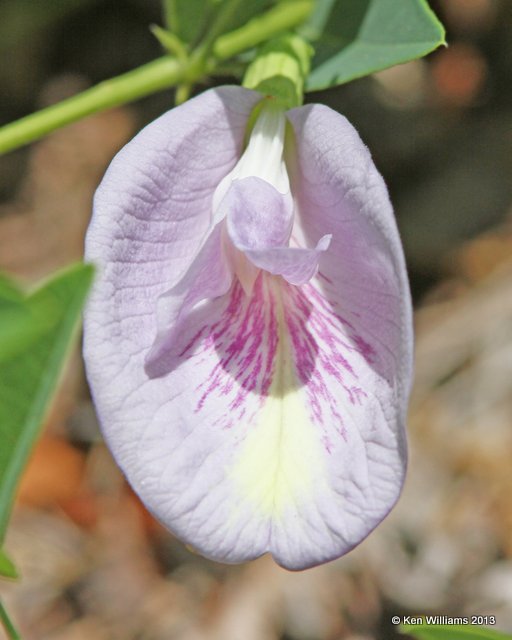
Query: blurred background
(94, 564)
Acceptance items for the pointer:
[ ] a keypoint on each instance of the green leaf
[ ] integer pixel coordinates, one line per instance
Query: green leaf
(7, 568)
(22, 320)
(452, 632)
(248, 10)
(189, 20)
(358, 37)
(7, 624)
(30, 371)
(314, 26)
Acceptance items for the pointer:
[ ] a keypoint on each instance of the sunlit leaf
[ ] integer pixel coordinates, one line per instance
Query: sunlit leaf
(7, 568)
(354, 38)
(452, 632)
(22, 319)
(30, 371)
(315, 26)
(187, 18)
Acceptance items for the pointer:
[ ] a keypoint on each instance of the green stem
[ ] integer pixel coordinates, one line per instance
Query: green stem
(160, 74)
(182, 93)
(155, 76)
(283, 17)
(10, 629)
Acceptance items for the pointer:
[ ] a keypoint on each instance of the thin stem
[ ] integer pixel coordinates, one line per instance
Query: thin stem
(155, 76)
(8, 625)
(282, 17)
(160, 74)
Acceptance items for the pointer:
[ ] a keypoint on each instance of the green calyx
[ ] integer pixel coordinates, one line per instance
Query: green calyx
(280, 70)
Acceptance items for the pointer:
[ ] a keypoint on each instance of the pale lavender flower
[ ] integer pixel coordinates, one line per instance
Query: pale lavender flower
(248, 341)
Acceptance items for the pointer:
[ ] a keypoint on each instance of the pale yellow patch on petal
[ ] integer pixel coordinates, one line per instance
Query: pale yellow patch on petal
(281, 458)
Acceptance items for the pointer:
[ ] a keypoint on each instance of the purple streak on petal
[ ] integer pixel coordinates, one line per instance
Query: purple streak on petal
(326, 357)
(245, 339)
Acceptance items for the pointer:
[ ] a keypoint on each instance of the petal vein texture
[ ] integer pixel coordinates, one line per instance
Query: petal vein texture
(260, 418)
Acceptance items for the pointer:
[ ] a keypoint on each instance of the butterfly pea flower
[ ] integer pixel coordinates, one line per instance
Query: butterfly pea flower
(248, 341)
